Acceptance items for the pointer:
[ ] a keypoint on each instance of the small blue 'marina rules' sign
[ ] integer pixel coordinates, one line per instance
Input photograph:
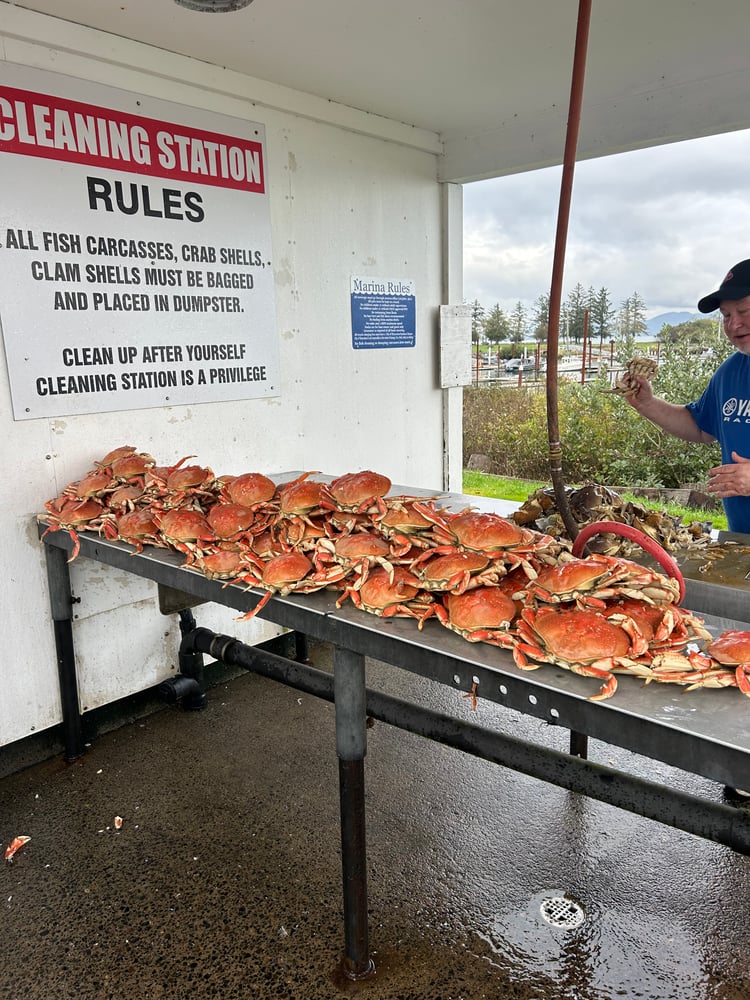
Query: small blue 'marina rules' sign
(383, 313)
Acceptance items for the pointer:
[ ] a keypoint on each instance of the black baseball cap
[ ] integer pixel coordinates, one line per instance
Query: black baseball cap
(736, 285)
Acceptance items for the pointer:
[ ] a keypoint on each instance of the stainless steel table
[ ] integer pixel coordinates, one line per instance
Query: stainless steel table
(706, 733)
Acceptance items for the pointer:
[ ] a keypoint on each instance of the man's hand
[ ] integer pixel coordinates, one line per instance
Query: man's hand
(731, 480)
(643, 394)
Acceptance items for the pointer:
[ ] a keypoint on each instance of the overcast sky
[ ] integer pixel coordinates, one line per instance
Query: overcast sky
(666, 222)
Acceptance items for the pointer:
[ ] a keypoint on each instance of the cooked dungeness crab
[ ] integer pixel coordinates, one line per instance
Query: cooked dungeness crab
(352, 556)
(390, 595)
(357, 493)
(489, 534)
(480, 615)
(284, 574)
(583, 641)
(456, 571)
(724, 663)
(592, 581)
(64, 514)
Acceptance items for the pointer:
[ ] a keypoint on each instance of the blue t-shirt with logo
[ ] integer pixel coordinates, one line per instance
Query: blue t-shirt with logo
(723, 411)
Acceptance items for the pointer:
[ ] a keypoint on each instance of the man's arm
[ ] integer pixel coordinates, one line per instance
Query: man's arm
(671, 417)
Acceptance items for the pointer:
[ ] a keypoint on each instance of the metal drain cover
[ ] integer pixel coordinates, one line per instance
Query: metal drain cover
(562, 912)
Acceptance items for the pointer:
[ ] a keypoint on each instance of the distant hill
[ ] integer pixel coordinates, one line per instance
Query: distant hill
(673, 318)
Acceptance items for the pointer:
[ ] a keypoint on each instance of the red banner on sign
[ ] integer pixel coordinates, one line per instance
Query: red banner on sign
(51, 127)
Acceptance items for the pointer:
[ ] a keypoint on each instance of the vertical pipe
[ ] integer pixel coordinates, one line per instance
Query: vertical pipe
(351, 747)
(61, 608)
(571, 142)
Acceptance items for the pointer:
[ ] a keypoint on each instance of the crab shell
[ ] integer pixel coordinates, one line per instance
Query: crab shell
(126, 496)
(186, 525)
(583, 641)
(265, 546)
(137, 527)
(403, 518)
(664, 627)
(731, 648)
(189, 477)
(249, 489)
(129, 466)
(300, 496)
(576, 635)
(337, 558)
(112, 456)
(229, 520)
(451, 572)
(182, 529)
(284, 571)
(390, 594)
(302, 533)
(92, 485)
(381, 589)
(571, 580)
(477, 614)
(483, 532)
(350, 549)
(357, 491)
(68, 515)
(222, 564)
(590, 581)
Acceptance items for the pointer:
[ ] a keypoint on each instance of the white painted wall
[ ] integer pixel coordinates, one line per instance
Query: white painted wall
(344, 200)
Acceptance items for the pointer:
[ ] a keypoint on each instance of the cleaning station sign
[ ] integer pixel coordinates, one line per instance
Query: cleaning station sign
(135, 251)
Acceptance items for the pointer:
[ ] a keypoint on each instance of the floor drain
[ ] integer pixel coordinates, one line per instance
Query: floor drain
(562, 912)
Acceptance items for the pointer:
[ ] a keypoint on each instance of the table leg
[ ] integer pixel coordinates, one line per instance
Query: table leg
(61, 606)
(579, 744)
(351, 747)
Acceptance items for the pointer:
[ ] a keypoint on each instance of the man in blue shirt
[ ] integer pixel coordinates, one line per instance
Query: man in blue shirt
(723, 412)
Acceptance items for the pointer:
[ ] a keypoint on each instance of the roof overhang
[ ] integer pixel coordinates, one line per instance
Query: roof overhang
(489, 80)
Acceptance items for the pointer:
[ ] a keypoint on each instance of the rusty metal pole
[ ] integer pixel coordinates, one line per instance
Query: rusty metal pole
(555, 297)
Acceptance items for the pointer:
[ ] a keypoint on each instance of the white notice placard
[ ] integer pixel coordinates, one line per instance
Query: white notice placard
(455, 346)
(135, 251)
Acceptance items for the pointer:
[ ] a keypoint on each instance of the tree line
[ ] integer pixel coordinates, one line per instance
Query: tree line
(584, 310)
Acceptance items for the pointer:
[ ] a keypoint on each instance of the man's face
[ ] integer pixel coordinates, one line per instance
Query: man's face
(736, 316)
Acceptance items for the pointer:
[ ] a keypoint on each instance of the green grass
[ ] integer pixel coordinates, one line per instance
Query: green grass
(518, 490)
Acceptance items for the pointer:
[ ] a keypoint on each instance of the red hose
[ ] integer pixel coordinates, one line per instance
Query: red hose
(647, 543)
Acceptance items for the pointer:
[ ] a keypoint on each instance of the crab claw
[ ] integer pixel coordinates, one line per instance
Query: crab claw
(743, 678)
(15, 845)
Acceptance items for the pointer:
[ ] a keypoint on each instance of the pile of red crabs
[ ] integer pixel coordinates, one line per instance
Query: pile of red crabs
(480, 574)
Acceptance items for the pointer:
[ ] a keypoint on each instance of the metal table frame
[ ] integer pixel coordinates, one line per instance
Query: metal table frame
(706, 733)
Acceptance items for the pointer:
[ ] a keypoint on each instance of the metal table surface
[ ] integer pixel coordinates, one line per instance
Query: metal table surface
(704, 732)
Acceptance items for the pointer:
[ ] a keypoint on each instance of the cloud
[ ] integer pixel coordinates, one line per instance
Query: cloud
(666, 222)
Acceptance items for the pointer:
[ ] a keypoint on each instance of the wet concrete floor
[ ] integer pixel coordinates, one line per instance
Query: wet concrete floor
(224, 880)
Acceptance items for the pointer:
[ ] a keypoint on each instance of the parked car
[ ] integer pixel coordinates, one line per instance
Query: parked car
(519, 364)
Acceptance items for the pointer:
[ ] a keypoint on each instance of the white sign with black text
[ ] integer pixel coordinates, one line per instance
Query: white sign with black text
(135, 251)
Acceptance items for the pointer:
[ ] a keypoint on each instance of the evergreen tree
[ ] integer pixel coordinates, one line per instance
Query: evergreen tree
(631, 322)
(601, 315)
(540, 322)
(477, 316)
(575, 308)
(496, 325)
(518, 323)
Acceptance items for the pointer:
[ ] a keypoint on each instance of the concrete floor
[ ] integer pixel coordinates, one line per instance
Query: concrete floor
(225, 881)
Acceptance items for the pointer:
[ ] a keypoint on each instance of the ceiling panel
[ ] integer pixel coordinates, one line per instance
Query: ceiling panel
(491, 77)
